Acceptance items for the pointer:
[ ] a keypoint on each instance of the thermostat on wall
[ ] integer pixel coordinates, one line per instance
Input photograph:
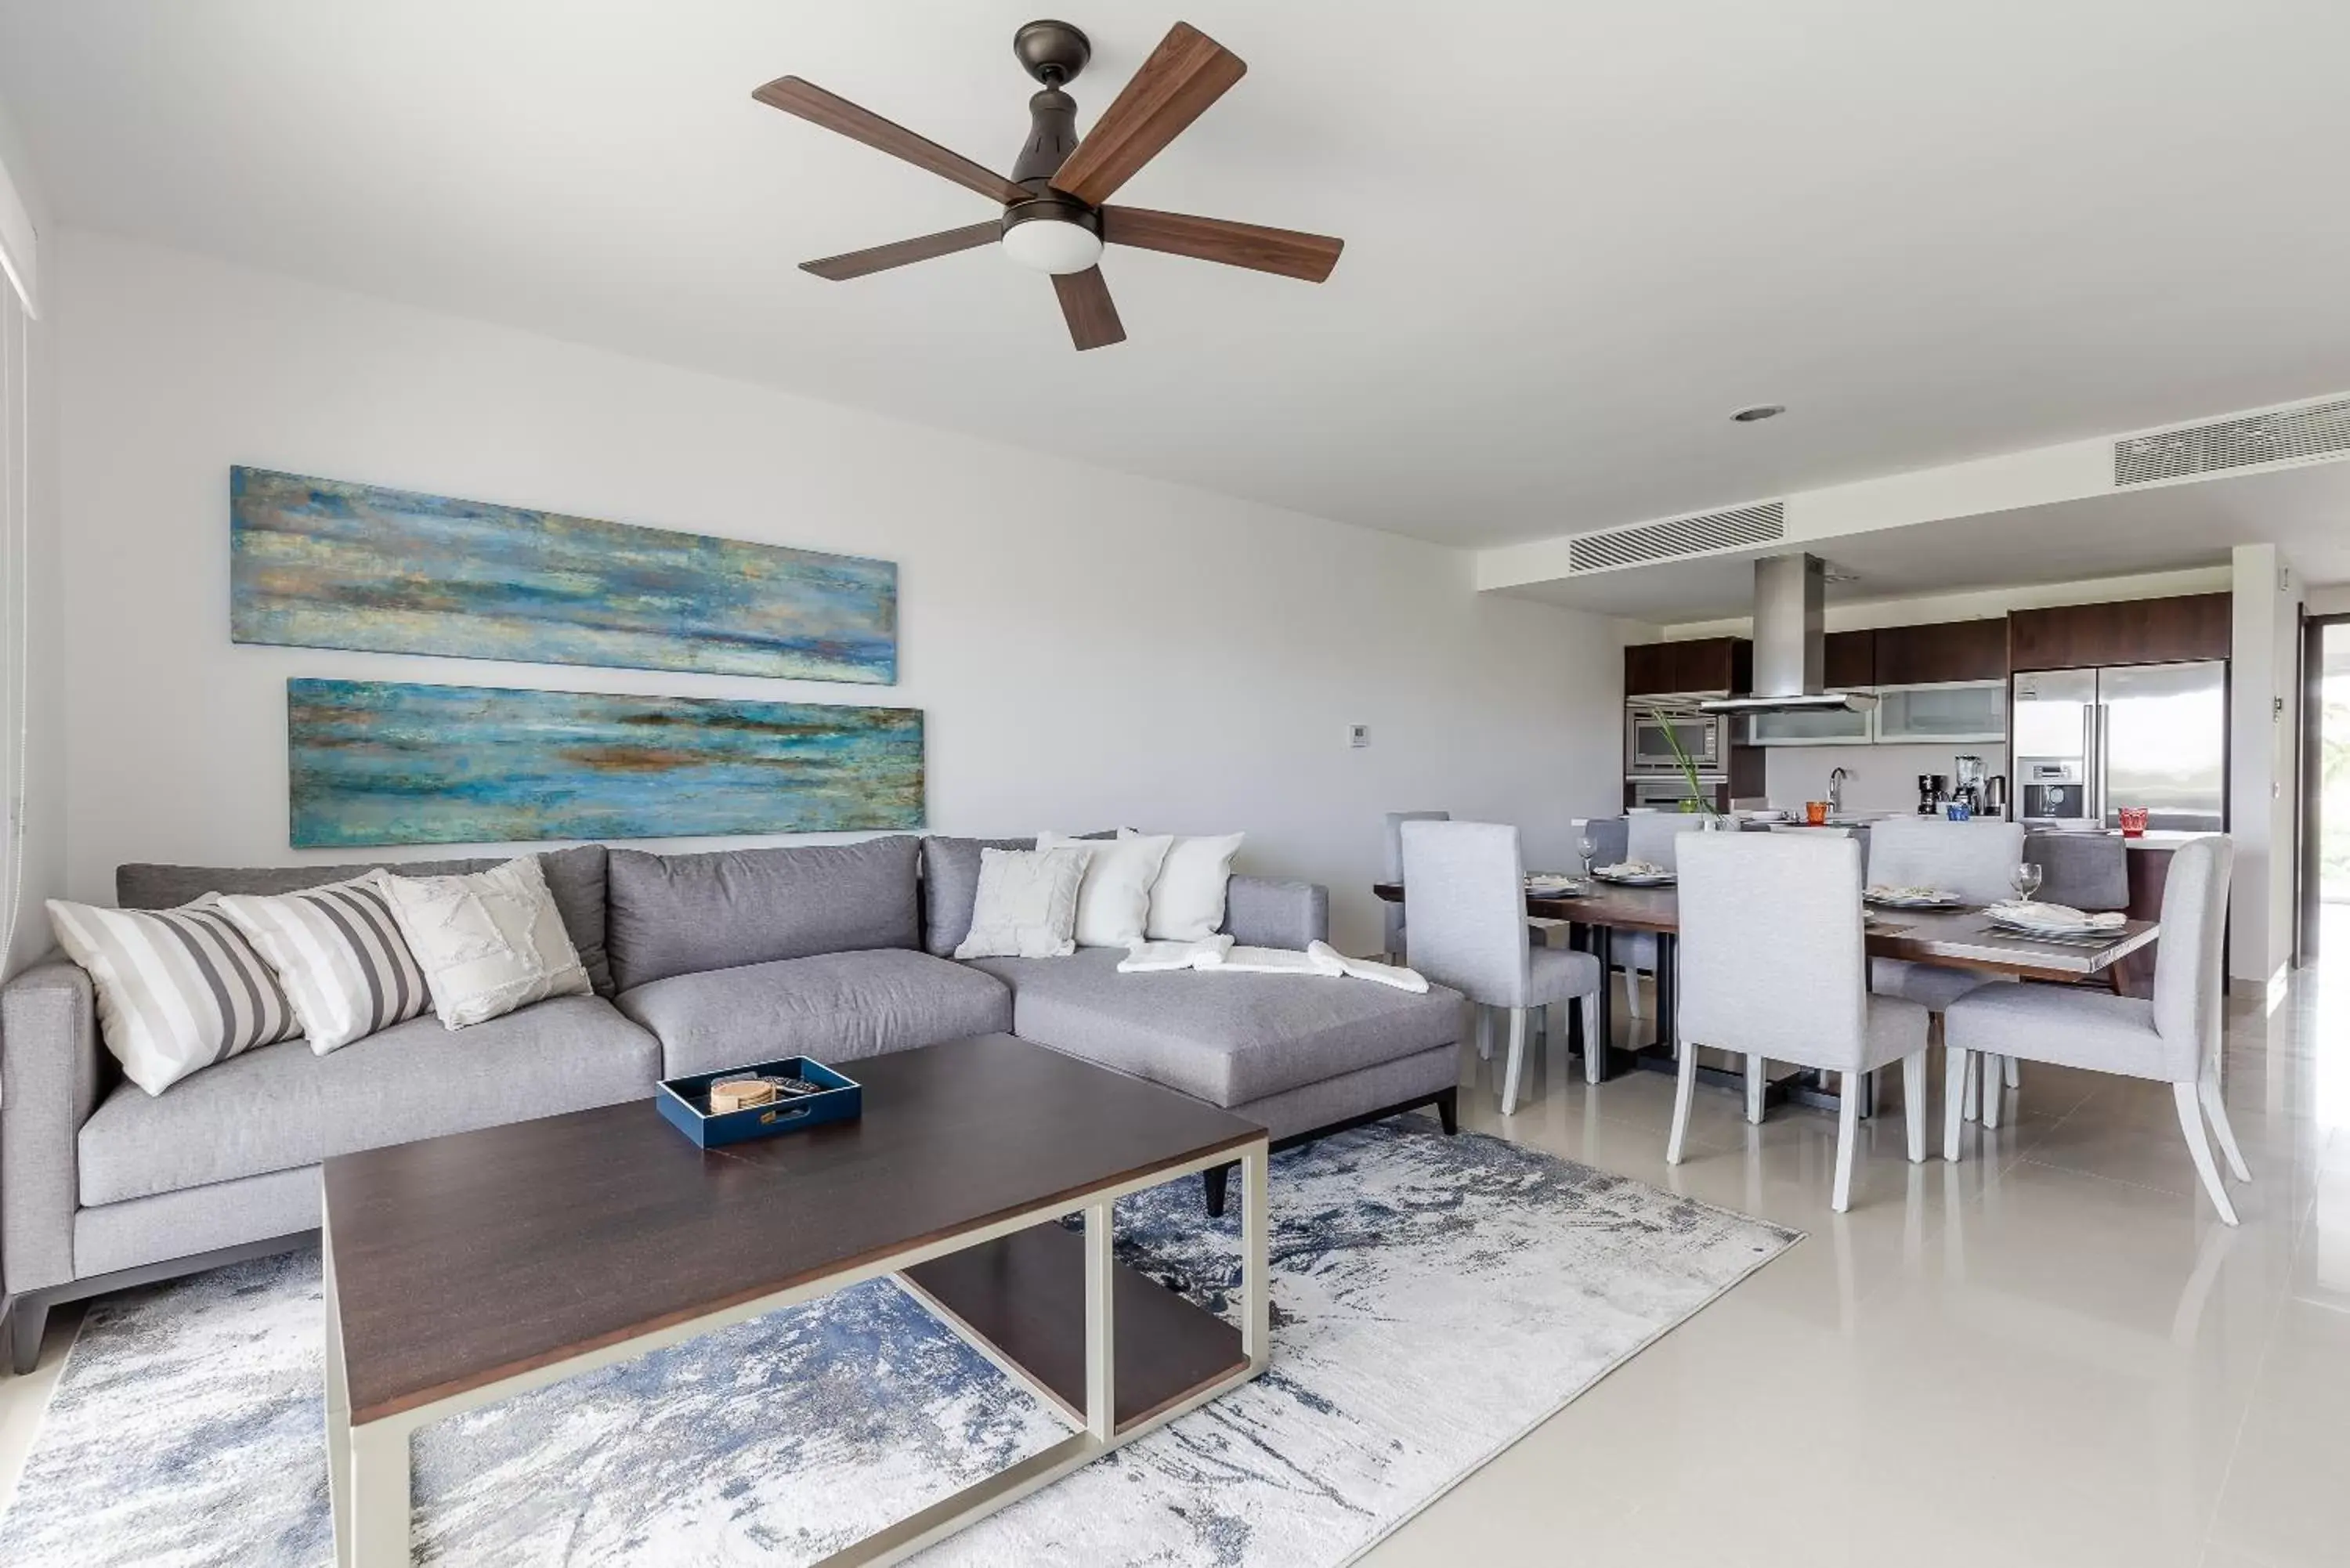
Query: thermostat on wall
(1359, 735)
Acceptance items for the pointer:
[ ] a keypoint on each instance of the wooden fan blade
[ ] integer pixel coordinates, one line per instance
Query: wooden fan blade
(1284, 251)
(812, 103)
(1084, 300)
(1186, 73)
(882, 258)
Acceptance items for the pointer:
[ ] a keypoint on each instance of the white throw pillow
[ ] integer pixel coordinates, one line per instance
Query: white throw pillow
(1187, 902)
(1114, 904)
(177, 988)
(339, 954)
(1026, 905)
(488, 943)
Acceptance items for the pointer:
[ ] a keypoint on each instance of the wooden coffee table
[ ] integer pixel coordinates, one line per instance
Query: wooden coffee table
(465, 1270)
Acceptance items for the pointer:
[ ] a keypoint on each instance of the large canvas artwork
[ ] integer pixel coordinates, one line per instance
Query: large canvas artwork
(389, 763)
(316, 563)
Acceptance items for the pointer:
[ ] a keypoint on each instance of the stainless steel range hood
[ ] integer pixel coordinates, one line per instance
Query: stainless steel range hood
(1789, 640)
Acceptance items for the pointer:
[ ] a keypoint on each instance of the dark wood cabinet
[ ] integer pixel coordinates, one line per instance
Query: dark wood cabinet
(2132, 632)
(1945, 650)
(1697, 664)
(1849, 659)
(1649, 668)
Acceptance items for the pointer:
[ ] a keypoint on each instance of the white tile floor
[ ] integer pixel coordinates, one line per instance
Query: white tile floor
(2052, 1353)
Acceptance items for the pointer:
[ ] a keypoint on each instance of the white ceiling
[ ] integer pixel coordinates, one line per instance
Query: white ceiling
(2306, 512)
(1578, 233)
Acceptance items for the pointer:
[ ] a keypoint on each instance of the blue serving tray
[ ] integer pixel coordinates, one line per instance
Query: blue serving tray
(686, 1102)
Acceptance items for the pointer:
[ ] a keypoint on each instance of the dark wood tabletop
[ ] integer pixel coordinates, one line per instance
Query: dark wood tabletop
(462, 1260)
(1950, 938)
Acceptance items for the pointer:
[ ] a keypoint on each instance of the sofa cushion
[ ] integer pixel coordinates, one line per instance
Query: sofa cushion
(835, 1007)
(283, 1105)
(676, 914)
(951, 887)
(1224, 1038)
(574, 876)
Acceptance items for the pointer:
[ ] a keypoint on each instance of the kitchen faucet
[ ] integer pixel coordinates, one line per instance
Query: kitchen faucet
(1835, 791)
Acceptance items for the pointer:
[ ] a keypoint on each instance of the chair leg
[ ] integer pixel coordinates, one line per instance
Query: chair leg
(1517, 1055)
(1594, 1049)
(2012, 1070)
(1848, 1134)
(1483, 1016)
(2216, 1108)
(2191, 1122)
(1632, 994)
(1913, 1102)
(1954, 1098)
(1974, 1088)
(1684, 1088)
(1994, 1092)
(1754, 1090)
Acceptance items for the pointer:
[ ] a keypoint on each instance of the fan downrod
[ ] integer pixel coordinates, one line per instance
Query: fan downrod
(1052, 52)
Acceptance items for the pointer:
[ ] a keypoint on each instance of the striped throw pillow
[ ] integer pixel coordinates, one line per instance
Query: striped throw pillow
(177, 988)
(338, 952)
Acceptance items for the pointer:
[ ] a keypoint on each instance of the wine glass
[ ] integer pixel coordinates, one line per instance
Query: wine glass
(1588, 849)
(2025, 880)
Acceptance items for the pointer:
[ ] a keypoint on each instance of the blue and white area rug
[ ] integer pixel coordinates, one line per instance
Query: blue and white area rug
(1433, 1300)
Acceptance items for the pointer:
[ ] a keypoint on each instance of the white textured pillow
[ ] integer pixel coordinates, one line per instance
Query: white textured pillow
(1026, 905)
(338, 953)
(177, 988)
(488, 943)
(1114, 904)
(1187, 902)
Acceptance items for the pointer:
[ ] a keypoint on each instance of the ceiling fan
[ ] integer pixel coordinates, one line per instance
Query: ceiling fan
(1055, 213)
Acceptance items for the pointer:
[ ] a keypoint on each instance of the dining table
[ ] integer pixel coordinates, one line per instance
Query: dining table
(1950, 937)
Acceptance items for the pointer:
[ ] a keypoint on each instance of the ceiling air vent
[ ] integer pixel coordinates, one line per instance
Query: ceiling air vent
(2320, 430)
(1761, 524)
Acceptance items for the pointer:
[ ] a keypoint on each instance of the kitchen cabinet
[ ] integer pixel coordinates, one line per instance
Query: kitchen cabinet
(1697, 664)
(1941, 653)
(1968, 710)
(2184, 630)
(1848, 662)
(1811, 727)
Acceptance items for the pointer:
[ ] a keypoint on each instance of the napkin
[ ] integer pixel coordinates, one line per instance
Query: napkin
(2058, 915)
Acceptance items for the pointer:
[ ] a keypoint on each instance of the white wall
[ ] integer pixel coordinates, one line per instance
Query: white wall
(2263, 781)
(1884, 778)
(43, 808)
(1089, 647)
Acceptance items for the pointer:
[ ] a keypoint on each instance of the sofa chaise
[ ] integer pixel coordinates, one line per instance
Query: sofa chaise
(698, 962)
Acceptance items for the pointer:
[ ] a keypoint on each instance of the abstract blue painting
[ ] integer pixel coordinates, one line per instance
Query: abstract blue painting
(389, 763)
(316, 563)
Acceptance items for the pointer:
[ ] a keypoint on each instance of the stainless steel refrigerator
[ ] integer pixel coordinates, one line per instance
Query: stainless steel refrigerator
(2086, 743)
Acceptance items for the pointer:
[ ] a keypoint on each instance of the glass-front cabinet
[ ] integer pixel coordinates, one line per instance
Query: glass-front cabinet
(1811, 727)
(1972, 710)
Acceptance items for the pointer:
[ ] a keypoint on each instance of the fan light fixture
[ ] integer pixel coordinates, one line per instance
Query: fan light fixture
(1052, 244)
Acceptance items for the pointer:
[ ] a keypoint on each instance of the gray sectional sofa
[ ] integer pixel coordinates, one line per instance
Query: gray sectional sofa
(699, 961)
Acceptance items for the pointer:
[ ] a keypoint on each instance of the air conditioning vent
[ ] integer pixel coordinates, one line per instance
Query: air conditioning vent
(1761, 524)
(2320, 430)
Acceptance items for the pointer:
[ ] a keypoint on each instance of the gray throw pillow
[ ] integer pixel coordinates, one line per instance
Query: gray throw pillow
(681, 914)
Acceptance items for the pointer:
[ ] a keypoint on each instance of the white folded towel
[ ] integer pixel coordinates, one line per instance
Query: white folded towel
(1219, 954)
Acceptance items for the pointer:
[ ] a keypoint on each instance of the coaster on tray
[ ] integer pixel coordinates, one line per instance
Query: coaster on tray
(739, 1093)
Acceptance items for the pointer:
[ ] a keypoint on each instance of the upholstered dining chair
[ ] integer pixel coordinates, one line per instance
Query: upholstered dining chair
(1464, 888)
(1648, 836)
(2085, 870)
(1774, 966)
(2172, 1039)
(1976, 860)
(1391, 870)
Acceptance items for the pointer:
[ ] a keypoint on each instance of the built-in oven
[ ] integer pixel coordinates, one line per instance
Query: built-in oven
(1653, 728)
(1656, 793)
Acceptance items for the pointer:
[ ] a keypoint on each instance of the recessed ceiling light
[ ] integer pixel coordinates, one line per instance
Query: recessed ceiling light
(1758, 412)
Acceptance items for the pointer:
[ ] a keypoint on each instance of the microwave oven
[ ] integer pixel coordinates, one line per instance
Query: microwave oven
(1650, 732)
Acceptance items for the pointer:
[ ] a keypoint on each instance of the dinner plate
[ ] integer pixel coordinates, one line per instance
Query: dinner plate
(1660, 879)
(2059, 929)
(1891, 901)
(1540, 888)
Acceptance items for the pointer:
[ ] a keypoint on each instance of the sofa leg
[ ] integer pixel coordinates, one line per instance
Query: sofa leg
(27, 1322)
(1448, 1111)
(1214, 1180)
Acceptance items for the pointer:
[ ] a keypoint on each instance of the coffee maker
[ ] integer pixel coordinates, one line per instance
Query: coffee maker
(1933, 792)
